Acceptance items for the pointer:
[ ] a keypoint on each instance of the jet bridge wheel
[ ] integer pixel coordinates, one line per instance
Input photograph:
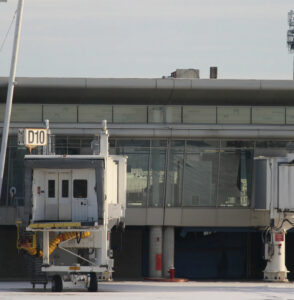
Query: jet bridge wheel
(56, 283)
(93, 286)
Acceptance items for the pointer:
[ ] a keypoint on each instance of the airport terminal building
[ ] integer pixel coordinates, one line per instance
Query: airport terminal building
(191, 145)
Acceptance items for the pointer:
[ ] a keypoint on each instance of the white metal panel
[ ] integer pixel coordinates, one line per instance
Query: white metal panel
(65, 200)
(112, 182)
(85, 209)
(38, 198)
(286, 187)
(51, 203)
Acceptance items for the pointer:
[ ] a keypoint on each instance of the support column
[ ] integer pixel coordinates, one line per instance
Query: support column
(168, 249)
(155, 251)
(275, 255)
(46, 247)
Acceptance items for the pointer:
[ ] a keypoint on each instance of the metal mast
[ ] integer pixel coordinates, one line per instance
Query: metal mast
(10, 91)
(290, 34)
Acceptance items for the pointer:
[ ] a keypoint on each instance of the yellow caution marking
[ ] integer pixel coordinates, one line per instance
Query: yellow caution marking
(54, 225)
(74, 268)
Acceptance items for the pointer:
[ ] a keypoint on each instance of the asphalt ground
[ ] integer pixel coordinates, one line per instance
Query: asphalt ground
(129, 290)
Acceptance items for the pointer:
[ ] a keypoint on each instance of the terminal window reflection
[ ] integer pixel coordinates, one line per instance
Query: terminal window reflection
(236, 160)
(200, 173)
(174, 178)
(137, 170)
(170, 173)
(157, 173)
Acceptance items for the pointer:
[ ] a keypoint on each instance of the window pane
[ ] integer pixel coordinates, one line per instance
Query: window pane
(51, 188)
(196, 146)
(64, 189)
(237, 144)
(95, 113)
(164, 114)
(173, 114)
(233, 115)
(200, 179)
(199, 114)
(137, 170)
(26, 113)
(201, 173)
(156, 114)
(2, 112)
(60, 113)
(235, 177)
(268, 115)
(290, 115)
(273, 148)
(130, 114)
(175, 175)
(80, 188)
(157, 177)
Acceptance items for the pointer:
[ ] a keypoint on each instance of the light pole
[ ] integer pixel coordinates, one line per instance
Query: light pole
(10, 90)
(290, 34)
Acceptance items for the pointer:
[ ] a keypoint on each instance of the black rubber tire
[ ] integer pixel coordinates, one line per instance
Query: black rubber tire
(56, 283)
(93, 286)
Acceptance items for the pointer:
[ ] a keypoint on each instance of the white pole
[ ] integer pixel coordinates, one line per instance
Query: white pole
(10, 91)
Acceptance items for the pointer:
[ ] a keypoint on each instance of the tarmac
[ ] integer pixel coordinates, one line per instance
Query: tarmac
(146, 290)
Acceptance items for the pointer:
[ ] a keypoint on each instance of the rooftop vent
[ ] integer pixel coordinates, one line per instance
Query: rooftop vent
(213, 73)
(186, 73)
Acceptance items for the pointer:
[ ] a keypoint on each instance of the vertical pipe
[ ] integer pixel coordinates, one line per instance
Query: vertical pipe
(213, 73)
(168, 252)
(10, 91)
(46, 247)
(155, 251)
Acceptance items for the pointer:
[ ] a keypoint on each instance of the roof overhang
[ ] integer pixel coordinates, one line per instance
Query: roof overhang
(151, 91)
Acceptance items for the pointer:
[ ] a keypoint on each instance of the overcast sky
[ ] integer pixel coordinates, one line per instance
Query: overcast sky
(149, 38)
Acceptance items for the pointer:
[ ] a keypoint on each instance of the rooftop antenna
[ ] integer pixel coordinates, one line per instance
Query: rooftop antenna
(290, 34)
(10, 91)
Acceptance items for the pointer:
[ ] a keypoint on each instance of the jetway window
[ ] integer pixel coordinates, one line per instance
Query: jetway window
(80, 187)
(51, 188)
(64, 188)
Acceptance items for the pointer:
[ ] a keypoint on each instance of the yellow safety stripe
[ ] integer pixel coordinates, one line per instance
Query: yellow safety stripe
(54, 225)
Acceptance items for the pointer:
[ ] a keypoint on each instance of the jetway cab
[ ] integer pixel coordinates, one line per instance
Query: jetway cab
(64, 195)
(71, 204)
(71, 188)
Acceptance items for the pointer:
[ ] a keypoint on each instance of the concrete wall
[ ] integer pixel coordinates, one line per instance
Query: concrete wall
(198, 217)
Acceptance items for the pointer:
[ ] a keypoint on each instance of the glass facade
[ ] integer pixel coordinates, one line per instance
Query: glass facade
(165, 172)
(190, 173)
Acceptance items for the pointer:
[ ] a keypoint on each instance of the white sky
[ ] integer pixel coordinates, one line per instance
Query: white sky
(149, 38)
